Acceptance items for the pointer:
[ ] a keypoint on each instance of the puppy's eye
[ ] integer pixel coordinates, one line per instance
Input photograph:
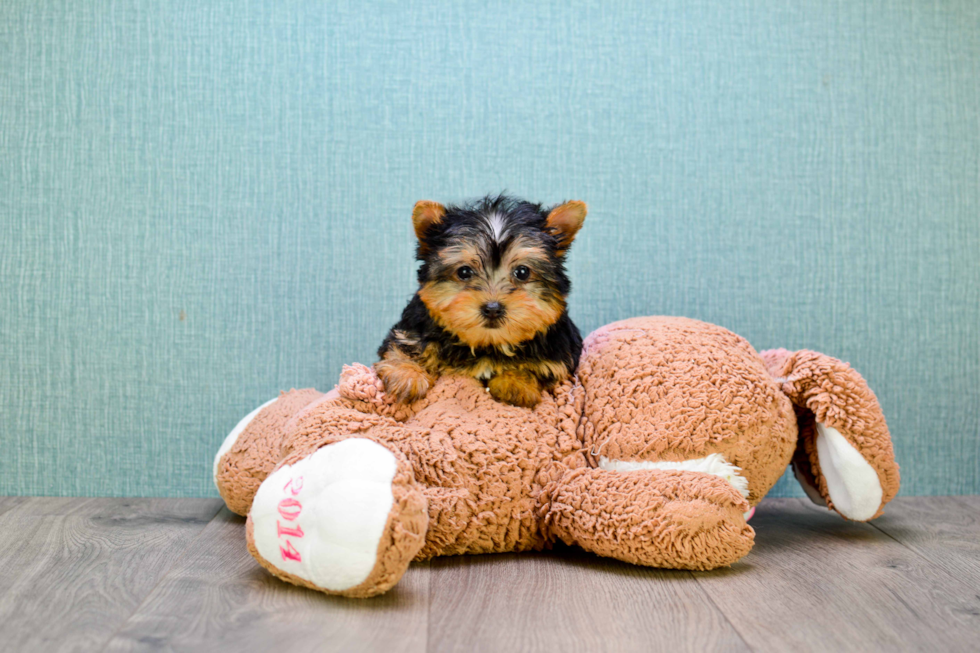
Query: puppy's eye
(522, 273)
(465, 273)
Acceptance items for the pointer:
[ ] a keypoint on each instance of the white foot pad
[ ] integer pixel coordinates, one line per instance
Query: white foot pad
(322, 518)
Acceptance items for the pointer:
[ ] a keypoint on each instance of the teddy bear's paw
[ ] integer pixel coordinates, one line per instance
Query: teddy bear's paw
(671, 518)
(347, 519)
(701, 534)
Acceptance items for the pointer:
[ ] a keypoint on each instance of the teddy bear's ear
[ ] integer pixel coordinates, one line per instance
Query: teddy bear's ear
(564, 221)
(426, 214)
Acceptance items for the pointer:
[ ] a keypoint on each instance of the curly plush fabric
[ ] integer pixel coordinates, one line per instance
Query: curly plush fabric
(676, 519)
(475, 459)
(830, 392)
(256, 451)
(674, 389)
(670, 432)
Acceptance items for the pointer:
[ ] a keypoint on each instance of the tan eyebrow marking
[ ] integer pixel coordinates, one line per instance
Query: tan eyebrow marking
(524, 254)
(460, 255)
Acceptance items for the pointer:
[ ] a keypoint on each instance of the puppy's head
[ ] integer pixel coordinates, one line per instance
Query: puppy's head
(493, 271)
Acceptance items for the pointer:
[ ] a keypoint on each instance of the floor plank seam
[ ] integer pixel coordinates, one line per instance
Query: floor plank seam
(918, 554)
(724, 616)
(160, 580)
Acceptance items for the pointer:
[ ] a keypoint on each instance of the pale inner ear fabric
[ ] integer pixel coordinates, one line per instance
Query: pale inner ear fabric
(852, 483)
(233, 437)
(322, 518)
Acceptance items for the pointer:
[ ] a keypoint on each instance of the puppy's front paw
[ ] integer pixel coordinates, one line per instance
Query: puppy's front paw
(516, 389)
(404, 380)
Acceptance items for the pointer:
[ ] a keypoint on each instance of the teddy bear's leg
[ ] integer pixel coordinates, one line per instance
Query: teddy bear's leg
(844, 457)
(658, 518)
(251, 450)
(345, 518)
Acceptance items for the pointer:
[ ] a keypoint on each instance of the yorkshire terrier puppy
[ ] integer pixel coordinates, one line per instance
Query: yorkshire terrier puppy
(491, 301)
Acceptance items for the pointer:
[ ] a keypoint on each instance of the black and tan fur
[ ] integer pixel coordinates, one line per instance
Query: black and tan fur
(491, 301)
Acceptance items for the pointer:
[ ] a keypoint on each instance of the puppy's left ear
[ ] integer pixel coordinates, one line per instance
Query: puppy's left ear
(564, 221)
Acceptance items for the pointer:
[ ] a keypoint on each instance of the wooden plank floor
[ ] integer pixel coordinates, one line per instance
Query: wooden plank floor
(173, 574)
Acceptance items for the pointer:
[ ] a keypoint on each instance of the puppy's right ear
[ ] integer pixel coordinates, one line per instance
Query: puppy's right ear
(424, 215)
(564, 221)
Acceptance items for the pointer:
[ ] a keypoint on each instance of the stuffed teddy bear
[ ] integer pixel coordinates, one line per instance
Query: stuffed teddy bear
(654, 453)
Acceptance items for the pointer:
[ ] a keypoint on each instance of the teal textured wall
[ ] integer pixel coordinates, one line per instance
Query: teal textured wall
(204, 202)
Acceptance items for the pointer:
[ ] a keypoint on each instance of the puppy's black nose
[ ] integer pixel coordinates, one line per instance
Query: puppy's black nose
(492, 310)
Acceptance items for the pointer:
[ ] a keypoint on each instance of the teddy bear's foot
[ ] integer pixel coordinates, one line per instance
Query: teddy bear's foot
(346, 519)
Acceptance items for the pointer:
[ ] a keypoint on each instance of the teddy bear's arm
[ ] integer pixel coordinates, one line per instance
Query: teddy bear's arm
(844, 457)
(658, 518)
